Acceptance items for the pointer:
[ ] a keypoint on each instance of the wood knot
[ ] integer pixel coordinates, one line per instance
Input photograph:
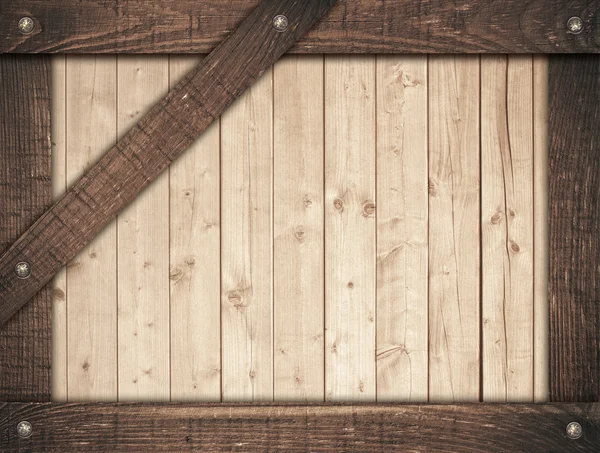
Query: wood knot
(307, 200)
(350, 285)
(432, 188)
(496, 218)
(58, 294)
(300, 234)
(512, 213)
(368, 209)
(190, 262)
(93, 254)
(176, 274)
(515, 247)
(338, 205)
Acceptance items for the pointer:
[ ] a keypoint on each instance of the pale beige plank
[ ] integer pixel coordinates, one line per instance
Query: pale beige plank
(540, 230)
(92, 275)
(454, 276)
(195, 263)
(246, 245)
(59, 185)
(298, 229)
(402, 218)
(507, 227)
(143, 250)
(350, 249)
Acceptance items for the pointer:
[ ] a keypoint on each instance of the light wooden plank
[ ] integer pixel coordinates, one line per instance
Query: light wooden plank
(350, 244)
(246, 245)
(195, 263)
(143, 251)
(454, 263)
(402, 218)
(540, 228)
(298, 230)
(91, 279)
(507, 227)
(59, 381)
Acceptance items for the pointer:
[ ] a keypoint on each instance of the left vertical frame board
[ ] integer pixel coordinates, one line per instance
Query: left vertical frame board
(25, 193)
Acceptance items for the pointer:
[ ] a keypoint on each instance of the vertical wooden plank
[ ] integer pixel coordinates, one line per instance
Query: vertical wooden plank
(402, 218)
(507, 227)
(574, 213)
(91, 279)
(58, 121)
(195, 263)
(246, 245)
(143, 250)
(454, 249)
(540, 228)
(350, 244)
(298, 230)
(25, 192)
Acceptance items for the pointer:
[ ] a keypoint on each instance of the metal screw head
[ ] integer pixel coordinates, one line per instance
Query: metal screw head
(575, 25)
(23, 269)
(281, 23)
(24, 429)
(26, 25)
(574, 430)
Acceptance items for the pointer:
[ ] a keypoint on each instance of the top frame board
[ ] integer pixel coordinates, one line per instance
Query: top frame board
(352, 26)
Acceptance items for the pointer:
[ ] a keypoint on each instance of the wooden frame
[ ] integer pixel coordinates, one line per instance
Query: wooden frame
(574, 261)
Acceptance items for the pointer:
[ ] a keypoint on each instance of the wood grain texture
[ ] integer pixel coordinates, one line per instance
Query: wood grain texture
(350, 229)
(143, 250)
(574, 213)
(91, 277)
(454, 244)
(298, 236)
(246, 245)
(195, 263)
(60, 338)
(138, 428)
(25, 192)
(395, 26)
(540, 228)
(507, 227)
(402, 228)
(158, 139)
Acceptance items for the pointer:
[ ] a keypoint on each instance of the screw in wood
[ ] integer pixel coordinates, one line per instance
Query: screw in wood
(24, 429)
(574, 430)
(575, 25)
(281, 23)
(26, 25)
(23, 269)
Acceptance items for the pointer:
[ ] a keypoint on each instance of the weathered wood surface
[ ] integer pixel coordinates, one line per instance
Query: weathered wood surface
(574, 213)
(264, 338)
(137, 428)
(150, 147)
(25, 192)
(397, 26)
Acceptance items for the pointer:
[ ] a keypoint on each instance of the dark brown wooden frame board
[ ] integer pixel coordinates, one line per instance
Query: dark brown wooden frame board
(574, 216)
(352, 26)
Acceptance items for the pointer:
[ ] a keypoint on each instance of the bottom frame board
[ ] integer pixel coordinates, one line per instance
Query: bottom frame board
(149, 428)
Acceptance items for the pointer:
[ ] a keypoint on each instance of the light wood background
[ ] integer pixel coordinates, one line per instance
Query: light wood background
(355, 228)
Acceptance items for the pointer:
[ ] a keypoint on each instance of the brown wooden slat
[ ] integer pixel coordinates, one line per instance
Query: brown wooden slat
(25, 192)
(353, 26)
(133, 428)
(150, 147)
(574, 217)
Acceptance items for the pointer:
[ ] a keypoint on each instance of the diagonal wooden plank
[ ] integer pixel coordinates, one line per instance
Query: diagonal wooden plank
(150, 147)
(25, 191)
(153, 428)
